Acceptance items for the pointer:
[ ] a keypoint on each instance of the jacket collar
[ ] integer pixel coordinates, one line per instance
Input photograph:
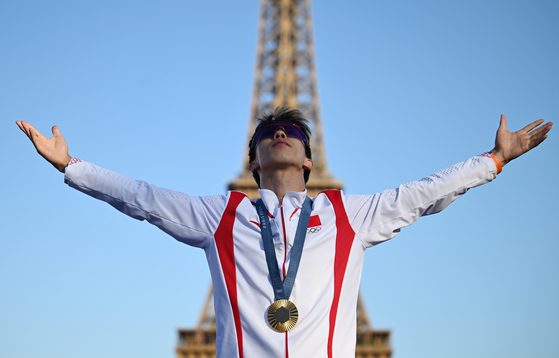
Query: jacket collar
(293, 199)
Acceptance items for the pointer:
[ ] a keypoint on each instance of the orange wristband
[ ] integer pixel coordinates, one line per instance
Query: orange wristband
(497, 163)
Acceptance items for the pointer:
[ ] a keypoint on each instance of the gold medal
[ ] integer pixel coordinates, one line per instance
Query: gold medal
(282, 315)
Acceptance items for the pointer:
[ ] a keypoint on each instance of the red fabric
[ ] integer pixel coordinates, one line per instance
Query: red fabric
(314, 221)
(344, 241)
(226, 251)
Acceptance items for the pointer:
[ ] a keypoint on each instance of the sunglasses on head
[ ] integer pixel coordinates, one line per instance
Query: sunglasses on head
(268, 131)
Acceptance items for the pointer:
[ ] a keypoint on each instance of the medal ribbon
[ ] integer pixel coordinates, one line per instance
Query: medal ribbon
(282, 289)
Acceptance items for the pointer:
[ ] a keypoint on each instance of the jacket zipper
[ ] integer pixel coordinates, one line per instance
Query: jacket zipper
(283, 268)
(284, 240)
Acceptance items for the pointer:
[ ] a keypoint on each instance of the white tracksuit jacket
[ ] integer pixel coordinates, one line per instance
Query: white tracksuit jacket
(325, 292)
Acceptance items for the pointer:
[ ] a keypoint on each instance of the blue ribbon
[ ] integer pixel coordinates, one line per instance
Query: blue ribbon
(282, 289)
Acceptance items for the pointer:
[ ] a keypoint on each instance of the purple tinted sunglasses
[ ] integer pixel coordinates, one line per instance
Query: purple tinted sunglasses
(291, 129)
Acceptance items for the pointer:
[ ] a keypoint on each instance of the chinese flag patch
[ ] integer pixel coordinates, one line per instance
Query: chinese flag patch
(314, 221)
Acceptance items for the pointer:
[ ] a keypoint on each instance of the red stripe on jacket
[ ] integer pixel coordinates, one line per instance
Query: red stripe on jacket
(226, 251)
(344, 241)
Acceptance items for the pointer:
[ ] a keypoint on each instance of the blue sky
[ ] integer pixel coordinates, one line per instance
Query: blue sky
(160, 91)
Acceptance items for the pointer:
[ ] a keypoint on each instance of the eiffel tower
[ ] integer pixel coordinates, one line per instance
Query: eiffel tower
(285, 75)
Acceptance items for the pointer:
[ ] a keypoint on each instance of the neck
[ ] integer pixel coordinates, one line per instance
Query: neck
(282, 182)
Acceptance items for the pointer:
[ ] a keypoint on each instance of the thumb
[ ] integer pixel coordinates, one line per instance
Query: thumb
(56, 131)
(503, 123)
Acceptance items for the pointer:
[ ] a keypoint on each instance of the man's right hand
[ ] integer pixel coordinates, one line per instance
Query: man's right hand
(54, 150)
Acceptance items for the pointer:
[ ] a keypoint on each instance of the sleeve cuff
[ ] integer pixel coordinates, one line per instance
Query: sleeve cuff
(71, 162)
(497, 162)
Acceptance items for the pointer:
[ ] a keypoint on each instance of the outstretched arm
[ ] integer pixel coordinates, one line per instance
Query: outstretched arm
(511, 145)
(54, 150)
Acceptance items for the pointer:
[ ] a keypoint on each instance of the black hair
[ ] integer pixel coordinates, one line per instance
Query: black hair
(286, 114)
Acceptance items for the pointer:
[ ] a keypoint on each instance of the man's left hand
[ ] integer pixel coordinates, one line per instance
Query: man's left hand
(511, 145)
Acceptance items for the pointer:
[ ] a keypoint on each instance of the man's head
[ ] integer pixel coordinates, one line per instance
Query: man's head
(287, 121)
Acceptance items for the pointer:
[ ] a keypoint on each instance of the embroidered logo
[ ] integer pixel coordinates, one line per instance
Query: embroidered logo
(313, 230)
(74, 161)
(314, 221)
(314, 225)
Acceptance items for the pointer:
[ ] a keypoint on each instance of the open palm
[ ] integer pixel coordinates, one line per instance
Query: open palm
(511, 145)
(54, 150)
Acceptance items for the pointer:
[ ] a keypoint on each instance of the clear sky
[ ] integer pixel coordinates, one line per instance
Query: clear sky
(160, 91)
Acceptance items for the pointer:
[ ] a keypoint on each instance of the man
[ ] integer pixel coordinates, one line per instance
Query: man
(286, 270)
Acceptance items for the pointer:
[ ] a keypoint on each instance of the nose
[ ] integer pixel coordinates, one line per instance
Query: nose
(280, 133)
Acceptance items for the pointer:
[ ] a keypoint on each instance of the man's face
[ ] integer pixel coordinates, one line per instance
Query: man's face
(280, 151)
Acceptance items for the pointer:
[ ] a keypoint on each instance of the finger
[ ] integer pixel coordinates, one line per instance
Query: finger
(538, 141)
(34, 134)
(540, 134)
(20, 125)
(532, 125)
(542, 130)
(503, 123)
(55, 131)
(26, 128)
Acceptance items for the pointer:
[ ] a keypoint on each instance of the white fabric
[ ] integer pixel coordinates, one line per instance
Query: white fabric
(194, 221)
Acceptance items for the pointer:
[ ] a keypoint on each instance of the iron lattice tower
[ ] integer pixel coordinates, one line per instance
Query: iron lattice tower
(285, 75)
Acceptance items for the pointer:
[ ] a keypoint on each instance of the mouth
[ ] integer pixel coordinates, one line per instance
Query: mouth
(280, 142)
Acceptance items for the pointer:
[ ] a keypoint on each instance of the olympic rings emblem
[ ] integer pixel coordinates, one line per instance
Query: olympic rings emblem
(313, 230)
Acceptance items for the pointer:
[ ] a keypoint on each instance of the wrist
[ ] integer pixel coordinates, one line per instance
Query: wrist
(498, 159)
(499, 156)
(64, 163)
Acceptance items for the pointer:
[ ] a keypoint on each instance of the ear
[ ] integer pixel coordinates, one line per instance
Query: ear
(253, 166)
(308, 164)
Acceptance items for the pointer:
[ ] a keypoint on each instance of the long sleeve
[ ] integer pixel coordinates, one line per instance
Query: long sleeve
(189, 219)
(380, 217)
